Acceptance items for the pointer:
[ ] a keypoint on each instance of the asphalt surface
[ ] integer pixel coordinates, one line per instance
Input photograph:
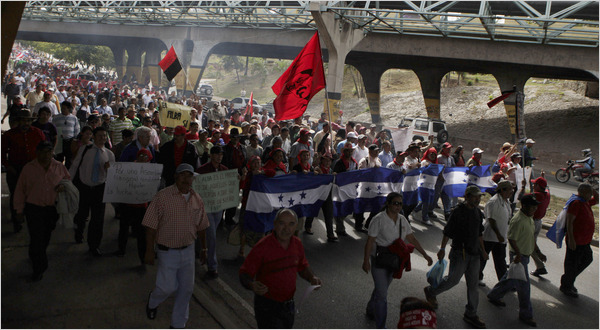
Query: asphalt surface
(341, 302)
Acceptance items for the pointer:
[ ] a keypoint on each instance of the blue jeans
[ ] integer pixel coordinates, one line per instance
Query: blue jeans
(175, 274)
(523, 289)
(377, 305)
(211, 239)
(462, 264)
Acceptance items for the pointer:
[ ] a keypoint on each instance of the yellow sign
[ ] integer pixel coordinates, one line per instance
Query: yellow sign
(173, 114)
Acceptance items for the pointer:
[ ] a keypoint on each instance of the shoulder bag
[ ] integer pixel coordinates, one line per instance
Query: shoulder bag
(384, 258)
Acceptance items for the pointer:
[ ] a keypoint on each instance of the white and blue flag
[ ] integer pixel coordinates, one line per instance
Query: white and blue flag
(455, 181)
(303, 193)
(364, 190)
(481, 176)
(426, 183)
(410, 193)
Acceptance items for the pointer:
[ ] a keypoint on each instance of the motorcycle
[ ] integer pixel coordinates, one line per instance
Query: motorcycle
(564, 174)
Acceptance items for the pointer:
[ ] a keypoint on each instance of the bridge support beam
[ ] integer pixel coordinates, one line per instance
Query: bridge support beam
(430, 80)
(134, 64)
(119, 54)
(515, 111)
(340, 37)
(371, 76)
(151, 71)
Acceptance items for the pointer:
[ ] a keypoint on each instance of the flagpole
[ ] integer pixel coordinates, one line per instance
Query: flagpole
(327, 101)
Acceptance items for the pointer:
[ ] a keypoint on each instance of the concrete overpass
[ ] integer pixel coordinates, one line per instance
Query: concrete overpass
(372, 54)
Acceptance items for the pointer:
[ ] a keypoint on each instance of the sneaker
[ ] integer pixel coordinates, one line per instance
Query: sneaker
(474, 321)
(481, 283)
(530, 322)
(150, 312)
(430, 298)
(539, 272)
(427, 222)
(497, 302)
(569, 292)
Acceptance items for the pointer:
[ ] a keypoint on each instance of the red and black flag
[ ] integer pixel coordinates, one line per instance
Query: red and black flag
(170, 64)
(300, 82)
(500, 98)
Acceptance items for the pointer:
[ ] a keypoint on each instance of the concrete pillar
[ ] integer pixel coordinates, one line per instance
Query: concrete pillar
(340, 37)
(151, 69)
(119, 54)
(371, 75)
(430, 80)
(134, 63)
(514, 104)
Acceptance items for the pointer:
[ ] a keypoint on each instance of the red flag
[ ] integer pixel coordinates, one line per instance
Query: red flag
(499, 99)
(300, 82)
(170, 64)
(250, 106)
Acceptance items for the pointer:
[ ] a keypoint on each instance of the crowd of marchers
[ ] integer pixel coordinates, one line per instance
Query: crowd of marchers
(65, 136)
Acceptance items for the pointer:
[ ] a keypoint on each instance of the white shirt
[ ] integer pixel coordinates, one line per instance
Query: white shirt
(385, 231)
(498, 209)
(368, 162)
(360, 153)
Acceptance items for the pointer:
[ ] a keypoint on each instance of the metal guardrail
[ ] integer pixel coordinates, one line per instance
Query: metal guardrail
(538, 22)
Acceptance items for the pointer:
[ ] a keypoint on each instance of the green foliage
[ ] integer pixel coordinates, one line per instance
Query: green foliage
(97, 55)
(469, 82)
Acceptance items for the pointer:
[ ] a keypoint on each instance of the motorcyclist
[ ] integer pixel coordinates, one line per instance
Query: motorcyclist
(588, 164)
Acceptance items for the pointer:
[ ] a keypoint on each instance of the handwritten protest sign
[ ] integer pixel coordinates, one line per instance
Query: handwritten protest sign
(131, 183)
(173, 114)
(219, 190)
(402, 137)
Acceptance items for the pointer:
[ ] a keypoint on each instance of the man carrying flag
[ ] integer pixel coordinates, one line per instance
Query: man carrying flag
(300, 82)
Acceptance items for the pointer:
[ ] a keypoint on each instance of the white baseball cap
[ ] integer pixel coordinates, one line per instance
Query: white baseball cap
(477, 151)
(529, 141)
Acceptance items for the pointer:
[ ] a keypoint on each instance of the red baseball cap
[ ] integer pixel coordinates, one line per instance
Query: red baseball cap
(541, 182)
(179, 130)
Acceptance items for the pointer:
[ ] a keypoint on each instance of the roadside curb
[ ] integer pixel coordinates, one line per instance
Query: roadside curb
(229, 309)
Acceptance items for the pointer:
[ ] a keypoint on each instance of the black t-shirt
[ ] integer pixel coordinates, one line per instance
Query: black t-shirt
(464, 227)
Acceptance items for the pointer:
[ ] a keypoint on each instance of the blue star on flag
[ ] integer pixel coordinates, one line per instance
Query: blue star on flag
(280, 198)
(368, 189)
(291, 201)
(303, 195)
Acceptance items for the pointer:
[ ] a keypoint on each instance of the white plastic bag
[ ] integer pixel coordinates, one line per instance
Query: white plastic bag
(516, 271)
(436, 273)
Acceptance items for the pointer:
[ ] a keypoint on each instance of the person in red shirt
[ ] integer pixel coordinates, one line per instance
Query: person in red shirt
(192, 135)
(35, 195)
(19, 148)
(580, 231)
(542, 195)
(270, 272)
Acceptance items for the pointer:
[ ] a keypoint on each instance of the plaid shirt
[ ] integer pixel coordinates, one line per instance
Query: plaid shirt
(176, 221)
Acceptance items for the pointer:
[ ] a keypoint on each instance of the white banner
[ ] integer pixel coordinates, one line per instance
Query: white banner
(131, 183)
(401, 137)
(219, 190)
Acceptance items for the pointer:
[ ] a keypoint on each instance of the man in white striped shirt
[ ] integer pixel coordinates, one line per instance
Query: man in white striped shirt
(67, 126)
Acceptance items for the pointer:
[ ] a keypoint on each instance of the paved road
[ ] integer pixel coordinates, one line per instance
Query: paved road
(342, 300)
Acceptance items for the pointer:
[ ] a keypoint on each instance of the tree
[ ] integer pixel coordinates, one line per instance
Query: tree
(232, 62)
(99, 56)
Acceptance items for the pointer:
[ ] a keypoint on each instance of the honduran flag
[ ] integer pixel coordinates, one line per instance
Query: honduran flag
(303, 193)
(557, 232)
(170, 64)
(427, 181)
(455, 181)
(410, 186)
(481, 176)
(364, 190)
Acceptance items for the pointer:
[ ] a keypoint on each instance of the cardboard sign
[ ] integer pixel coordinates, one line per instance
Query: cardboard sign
(219, 190)
(401, 137)
(131, 183)
(173, 114)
